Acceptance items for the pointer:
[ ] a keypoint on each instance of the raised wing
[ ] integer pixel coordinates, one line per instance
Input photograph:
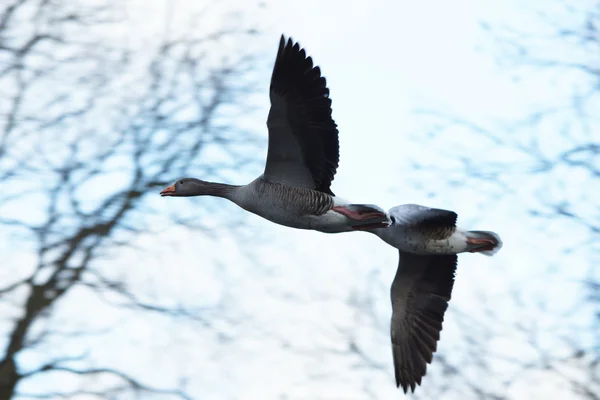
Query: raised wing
(420, 294)
(303, 138)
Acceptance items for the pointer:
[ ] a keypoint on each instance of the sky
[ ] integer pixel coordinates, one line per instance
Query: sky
(281, 327)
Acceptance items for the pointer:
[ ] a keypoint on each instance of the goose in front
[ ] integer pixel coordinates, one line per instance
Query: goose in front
(302, 158)
(428, 241)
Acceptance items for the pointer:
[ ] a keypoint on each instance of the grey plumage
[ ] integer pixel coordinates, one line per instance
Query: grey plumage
(421, 230)
(431, 223)
(420, 294)
(286, 198)
(428, 241)
(302, 157)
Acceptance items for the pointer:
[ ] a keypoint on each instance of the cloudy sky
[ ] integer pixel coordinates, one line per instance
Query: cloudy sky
(289, 304)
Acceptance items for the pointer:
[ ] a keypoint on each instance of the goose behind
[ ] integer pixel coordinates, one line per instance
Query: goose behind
(428, 241)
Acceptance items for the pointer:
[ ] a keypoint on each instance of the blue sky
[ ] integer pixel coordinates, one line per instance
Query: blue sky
(281, 326)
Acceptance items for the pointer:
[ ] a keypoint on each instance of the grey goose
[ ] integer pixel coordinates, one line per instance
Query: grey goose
(302, 157)
(428, 241)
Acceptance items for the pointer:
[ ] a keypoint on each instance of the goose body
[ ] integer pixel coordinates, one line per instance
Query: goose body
(428, 241)
(422, 230)
(302, 158)
(301, 208)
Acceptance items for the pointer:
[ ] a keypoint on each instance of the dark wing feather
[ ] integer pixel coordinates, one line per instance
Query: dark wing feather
(420, 294)
(417, 215)
(303, 138)
(432, 223)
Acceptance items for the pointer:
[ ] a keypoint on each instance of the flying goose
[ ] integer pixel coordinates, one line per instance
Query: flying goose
(302, 158)
(428, 241)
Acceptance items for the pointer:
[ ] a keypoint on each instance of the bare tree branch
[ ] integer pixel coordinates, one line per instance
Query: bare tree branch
(77, 110)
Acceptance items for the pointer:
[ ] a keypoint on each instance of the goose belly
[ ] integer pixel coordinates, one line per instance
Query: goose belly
(292, 207)
(413, 241)
(330, 222)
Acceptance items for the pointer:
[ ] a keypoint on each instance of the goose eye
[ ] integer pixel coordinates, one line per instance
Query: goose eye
(181, 182)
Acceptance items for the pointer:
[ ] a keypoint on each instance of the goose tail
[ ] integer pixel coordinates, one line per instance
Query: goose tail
(485, 242)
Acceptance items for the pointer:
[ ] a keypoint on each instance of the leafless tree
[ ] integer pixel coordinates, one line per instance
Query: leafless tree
(91, 127)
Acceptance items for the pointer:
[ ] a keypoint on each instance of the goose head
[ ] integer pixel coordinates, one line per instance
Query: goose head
(187, 187)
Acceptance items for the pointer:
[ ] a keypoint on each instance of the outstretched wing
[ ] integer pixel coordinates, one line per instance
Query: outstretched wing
(303, 138)
(420, 294)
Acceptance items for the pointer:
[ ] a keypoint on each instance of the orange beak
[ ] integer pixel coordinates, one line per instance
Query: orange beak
(168, 191)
